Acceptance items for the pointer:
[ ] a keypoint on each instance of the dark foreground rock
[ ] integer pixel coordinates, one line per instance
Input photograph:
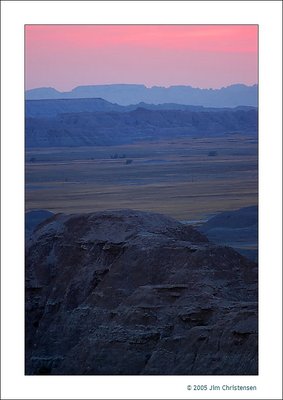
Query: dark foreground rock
(129, 292)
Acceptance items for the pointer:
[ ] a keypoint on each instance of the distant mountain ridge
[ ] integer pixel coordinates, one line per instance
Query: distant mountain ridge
(126, 94)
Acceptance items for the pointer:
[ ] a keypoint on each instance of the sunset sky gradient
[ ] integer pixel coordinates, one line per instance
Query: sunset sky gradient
(205, 56)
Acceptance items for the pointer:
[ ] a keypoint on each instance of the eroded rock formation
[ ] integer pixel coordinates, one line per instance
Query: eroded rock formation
(129, 292)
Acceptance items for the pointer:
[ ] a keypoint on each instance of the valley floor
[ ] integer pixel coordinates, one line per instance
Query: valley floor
(188, 178)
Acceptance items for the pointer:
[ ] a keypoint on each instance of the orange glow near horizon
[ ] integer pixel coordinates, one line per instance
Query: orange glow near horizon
(65, 56)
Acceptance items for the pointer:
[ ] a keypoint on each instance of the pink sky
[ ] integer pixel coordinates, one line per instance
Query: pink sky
(206, 56)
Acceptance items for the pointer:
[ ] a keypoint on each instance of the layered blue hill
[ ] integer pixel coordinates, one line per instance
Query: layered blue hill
(53, 107)
(114, 128)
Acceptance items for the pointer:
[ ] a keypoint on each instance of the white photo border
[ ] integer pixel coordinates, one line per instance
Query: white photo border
(15, 15)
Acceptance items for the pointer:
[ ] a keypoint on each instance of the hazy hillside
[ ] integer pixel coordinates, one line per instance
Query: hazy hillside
(238, 228)
(242, 218)
(34, 218)
(109, 128)
(53, 107)
(136, 293)
(126, 94)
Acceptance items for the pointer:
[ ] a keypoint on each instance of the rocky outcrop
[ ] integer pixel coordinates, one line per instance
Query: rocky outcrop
(129, 292)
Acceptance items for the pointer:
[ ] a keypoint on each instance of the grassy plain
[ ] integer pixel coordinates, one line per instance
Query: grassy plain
(188, 179)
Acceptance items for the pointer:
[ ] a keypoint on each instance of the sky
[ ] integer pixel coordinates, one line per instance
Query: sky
(205, 56)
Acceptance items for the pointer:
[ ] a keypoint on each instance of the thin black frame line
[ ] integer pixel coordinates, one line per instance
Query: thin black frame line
(163, 1)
